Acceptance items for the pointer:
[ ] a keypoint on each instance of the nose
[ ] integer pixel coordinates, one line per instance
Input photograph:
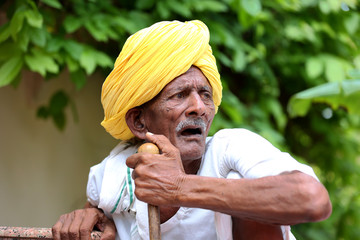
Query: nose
(196, 106)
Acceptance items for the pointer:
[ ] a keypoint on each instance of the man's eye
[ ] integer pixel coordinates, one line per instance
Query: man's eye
(207, 95)
(179, 95)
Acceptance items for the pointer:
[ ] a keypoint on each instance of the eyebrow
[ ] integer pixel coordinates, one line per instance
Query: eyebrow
(185, 87)
(207, 88)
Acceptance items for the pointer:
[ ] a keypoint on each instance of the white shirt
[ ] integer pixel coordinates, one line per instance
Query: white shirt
(230, 153)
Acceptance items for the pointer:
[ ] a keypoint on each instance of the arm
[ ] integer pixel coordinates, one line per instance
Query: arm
(283, 199)
(79, 224)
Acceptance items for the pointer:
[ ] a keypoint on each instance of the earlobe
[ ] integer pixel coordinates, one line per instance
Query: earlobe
(135, 121)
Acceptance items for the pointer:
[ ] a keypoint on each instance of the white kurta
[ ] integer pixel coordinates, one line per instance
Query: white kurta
(230, 153)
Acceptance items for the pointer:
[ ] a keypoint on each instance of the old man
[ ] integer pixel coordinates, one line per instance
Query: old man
(165, 88)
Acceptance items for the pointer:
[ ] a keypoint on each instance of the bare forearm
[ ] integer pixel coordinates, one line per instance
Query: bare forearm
(285, 199)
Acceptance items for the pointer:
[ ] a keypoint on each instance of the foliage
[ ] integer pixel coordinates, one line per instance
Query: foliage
(336, 94)
(273, 55)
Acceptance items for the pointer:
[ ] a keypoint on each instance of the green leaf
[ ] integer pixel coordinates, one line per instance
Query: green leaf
(59, 120)
(34, 18)
(162, 10)
(143, 19)
(96, 32)
(88, 61)
(352, 23)
(294, 32)
(145, 4)
(314, 67)
(325, 7)
(16, 22)
(5, 32)
(52, 3)
(336, 94)
(239, 60)
(10, 69)
(273, 107)
(334, 71)
(91, 58)
(54, 44)
(252, 7)
(209, 5)
(72, 64)
(8, 50)
(232, 107)
(354, 73)
(179, 8)
(41, 62)
(42, 112)
(72, 23)
(24, 38)
(126, 24)
(56, 109)
(38, 36)
(335, 5)
(78, 78)
(57, 105)
(58, 102)
(74, 49)
(224, 59)
(103, 60)
(16, 81)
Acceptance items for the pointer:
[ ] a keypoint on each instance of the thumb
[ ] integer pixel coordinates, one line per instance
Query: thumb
(108, 231)
(164, 144)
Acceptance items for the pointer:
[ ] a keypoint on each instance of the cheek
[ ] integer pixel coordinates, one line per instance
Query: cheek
(160, 122)
(211, 110)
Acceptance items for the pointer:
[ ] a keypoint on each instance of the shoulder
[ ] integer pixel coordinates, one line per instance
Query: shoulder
(113, 163)
(237, 135)
(119, 151)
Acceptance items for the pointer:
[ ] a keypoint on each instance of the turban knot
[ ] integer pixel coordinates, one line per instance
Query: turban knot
(150, 59)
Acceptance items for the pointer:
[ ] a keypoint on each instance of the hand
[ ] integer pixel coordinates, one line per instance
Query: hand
(79, 224)
(158, 177)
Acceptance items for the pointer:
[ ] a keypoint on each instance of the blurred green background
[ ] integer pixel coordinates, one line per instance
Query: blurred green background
(290, 71)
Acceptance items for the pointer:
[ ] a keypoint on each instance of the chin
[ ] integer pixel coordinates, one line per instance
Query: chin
(191, 148)
(192, 153)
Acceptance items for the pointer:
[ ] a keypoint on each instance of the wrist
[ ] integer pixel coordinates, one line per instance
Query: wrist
(192, 190)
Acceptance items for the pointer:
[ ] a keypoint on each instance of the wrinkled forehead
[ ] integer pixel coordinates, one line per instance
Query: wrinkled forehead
(192, 78)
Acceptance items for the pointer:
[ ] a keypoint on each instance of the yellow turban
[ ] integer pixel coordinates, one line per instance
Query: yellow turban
(149, 60)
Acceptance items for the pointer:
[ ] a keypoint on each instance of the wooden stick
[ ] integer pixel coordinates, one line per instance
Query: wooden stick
(153, 211)
(13, 233)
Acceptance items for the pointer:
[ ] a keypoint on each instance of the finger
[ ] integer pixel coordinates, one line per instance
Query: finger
(87, 225)
(133, 175)
(162, 142)
(132, 161)
(74, 228)
(64, 232)
(109, 232)
(56, 228)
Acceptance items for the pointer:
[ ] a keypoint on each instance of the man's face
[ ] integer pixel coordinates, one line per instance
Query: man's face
(183, 111)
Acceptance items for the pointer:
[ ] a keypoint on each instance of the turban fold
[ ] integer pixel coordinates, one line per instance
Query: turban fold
(150, 59)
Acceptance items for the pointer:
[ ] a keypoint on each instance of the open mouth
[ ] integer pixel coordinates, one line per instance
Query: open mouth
(191, 131)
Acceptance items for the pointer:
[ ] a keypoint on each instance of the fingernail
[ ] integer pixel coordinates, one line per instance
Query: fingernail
(149, 133)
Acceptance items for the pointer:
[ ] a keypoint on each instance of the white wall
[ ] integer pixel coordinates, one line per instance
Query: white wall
(43, 172)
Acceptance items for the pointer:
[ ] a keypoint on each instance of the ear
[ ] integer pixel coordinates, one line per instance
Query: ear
(135, 121)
